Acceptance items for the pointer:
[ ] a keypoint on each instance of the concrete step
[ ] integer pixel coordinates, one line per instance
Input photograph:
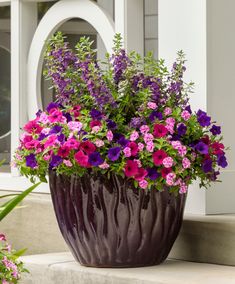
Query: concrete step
(209, 239)
(60, 268)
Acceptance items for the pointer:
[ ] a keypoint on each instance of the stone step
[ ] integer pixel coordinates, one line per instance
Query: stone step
(209, 239)
(60, 268)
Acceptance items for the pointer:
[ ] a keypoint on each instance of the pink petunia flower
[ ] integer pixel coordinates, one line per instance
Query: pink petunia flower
(167, 162)
(148, 137)
(140, 146)
(167, 111)
(127, 151)
(99, 143)
(152, 105)
(143, 184)
(74, 125)
(183, 188)
(104, 166)
(150, 147)
(186, 163)
(134, 136)
(170, 179)
(185, 115)
(67, 163)
(144, 129)
(109, 135)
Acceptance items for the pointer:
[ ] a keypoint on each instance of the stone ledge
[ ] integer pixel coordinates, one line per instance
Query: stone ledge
(209, 239)
(60, 268)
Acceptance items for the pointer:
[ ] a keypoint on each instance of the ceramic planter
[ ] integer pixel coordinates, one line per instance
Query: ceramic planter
(109, 223)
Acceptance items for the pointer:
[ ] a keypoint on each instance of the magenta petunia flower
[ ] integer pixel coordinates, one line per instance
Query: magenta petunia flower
(134, 148)
(88, 147)
(55, 115)
(158, 157)
(64, 151)
(72, 144)
(131, 168)
(33, 127)
(159, 130)
(81, 159)
(142, 173)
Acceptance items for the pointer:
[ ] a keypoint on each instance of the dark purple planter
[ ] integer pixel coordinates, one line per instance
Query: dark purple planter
(108, 223)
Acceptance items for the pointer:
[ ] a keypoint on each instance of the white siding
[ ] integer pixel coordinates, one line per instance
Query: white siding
(151, 26)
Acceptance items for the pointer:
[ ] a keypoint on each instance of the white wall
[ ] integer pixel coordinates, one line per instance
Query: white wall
(151, 26)
(182, 25)
(221, 95)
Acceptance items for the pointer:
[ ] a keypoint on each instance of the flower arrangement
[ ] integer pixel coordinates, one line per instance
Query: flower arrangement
(10, 267)
(129, 116)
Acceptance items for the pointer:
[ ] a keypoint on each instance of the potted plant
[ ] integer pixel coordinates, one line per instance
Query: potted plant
(121, 145)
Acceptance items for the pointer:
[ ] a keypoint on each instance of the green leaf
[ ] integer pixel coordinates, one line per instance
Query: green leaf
(11, 204)
(20, 252)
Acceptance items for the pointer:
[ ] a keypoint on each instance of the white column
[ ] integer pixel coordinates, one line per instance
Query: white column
(108, 6)
(129, 22)
(220, 95)
(204, 30)
(23, 25)
(182, 25)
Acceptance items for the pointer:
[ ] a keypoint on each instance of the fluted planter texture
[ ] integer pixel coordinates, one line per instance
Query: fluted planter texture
(109, 223)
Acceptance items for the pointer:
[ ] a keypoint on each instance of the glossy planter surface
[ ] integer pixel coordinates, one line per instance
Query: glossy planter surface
(108, 223)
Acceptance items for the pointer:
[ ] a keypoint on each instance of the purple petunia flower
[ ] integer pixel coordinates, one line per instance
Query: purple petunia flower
(111, 124)
(55, 129)
(67, 116)
(203, 118)
(188, 108)
(202, 148)
(61, 138)
(51, 106)
(152, 173)
(182, 129)
(215, 130)
(207, 166)
(55, 161)
(222, 161)
(123, 141)
(114, 153)
(42, 136)
(31, 161)
(95, 159)
(155, 115)
(96, 114)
